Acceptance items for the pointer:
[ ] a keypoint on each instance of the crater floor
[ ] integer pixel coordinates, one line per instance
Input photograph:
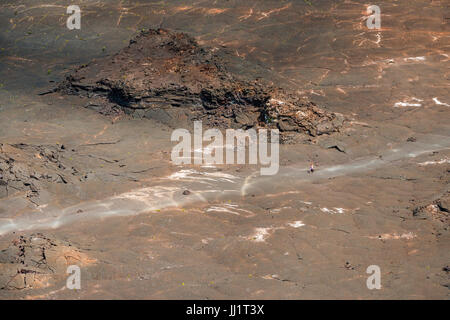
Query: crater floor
(99, 191)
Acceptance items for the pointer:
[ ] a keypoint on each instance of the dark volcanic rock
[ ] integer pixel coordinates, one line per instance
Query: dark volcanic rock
(167, 76)
(438, 210)
(444, 203)
(36, 261)
(28, 168)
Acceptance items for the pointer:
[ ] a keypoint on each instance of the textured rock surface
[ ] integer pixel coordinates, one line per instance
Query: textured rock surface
(36, 261)
(438, 211)
(27, 168)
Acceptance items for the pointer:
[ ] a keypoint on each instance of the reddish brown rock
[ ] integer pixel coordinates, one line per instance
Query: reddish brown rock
(167, 76)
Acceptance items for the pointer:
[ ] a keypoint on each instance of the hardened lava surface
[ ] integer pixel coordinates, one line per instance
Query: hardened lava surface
(95, 187)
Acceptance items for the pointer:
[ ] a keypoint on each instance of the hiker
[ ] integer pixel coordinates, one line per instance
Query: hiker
(311, 167)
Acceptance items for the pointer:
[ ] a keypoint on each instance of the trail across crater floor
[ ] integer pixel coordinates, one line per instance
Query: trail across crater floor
(206, 186)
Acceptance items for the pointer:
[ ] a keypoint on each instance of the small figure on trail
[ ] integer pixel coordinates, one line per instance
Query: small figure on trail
(311, 167)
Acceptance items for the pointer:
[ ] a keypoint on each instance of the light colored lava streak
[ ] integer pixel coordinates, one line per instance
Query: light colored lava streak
(219, 186)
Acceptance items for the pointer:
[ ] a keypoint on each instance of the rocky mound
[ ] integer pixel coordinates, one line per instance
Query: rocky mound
(167, 76)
